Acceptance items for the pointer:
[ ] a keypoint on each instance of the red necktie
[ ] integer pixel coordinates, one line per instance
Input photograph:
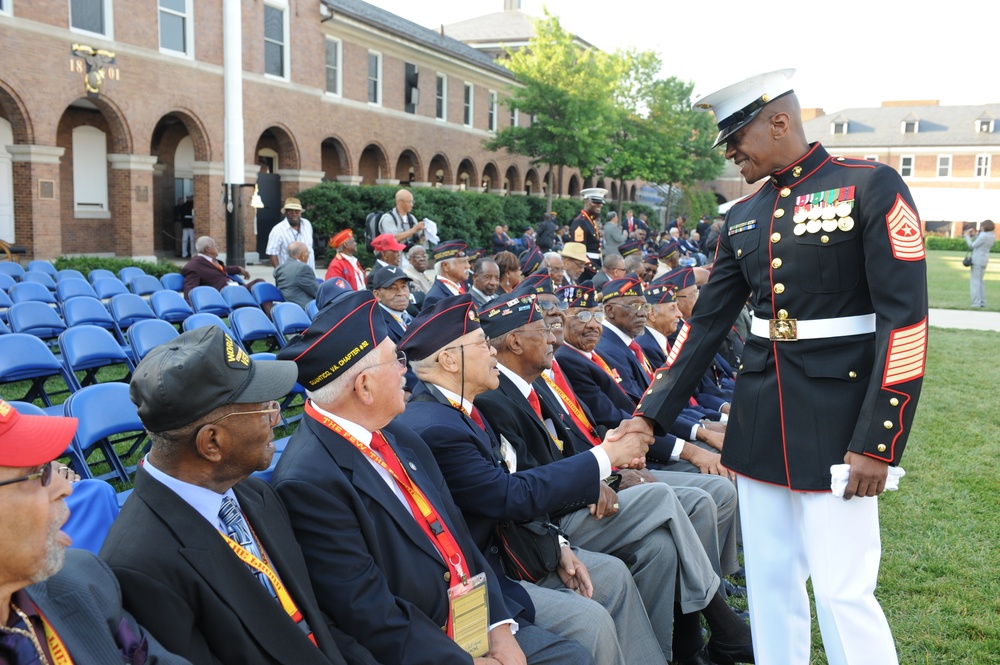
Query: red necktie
(637, 350)
(478, 418)
(535, 404)
(388, 455)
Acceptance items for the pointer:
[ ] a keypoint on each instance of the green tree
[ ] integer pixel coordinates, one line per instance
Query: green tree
(563, 89)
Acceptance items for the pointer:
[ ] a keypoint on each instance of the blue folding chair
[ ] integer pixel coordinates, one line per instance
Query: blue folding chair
(69, 273)
(289, 319)
(207, 299)
(35, 318)
(264, 293)
(170, 306)
(27, 408)
(74, 288)
(5, 303)
(12, 269)
(42, 266)
(6, 281)
(146, 335)
(108, 288)
(238, 296)
(279, 447)
(128, 308)
(4, 330)
(26, 358)
(298, 392)
(202, 319)
(250, 324)
(101, 273)
(144, 285)
(173, 281)
(88, 349)
(128, 272)
(311, 309)
(89, 311)
(93, 506)
(42, 278)
(32, 291)
(109, 423)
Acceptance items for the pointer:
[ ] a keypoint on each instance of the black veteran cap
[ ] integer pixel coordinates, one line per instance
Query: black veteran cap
(343, 332)
(668, 249)
(660, 291)
(736, 105)
(197, 372)
(680, 278)
(533, 284)
(622, 288)
(452, 249)
(500, 318)
(475, 253)
(439, 325)
(531, 260)
(630, 247)
(330, 289)
(579, 295)
(386, 276)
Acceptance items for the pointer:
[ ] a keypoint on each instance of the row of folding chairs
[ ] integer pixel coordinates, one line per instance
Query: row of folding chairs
(17, 272)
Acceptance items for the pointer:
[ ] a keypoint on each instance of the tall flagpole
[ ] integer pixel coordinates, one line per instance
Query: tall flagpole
(235, 169)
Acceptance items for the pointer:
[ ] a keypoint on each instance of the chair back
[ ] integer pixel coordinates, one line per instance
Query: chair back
(42, 278)
(109, 422)
(42, 266)
(89, 348)
(143, 285)
(25, 357)
(31, 291)
(207, 299)
(170, 306)
(93, 507)
(311, 309)
(6, 281)
(128, 272)
(263, 292)
(87, 311)
(250, 324)
(69, 273)
(108, 288)
(12, 269)
(145, 335)
(238, 296)
(5, 303)
(35, 318)
(289, 318)
(74, 288)
(201, 319)
(128, 308)
(100, 273)
(173, 281)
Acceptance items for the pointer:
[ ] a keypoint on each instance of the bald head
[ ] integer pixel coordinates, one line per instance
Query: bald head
(298, 250)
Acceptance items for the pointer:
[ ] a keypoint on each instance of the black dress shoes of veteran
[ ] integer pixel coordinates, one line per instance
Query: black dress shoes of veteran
(719, 653)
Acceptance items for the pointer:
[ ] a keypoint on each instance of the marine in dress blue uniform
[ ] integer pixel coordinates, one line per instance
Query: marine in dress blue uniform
(830, 253)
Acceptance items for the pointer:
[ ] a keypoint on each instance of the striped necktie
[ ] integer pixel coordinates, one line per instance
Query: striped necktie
(239, 530)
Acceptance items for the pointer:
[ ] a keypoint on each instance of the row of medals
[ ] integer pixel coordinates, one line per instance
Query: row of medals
(826, 218)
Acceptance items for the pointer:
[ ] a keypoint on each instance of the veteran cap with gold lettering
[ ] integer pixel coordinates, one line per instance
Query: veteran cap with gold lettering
(343, 332)
(737, 104)
(439, 325)
(182, 380)
(501, 317)
(627, 286)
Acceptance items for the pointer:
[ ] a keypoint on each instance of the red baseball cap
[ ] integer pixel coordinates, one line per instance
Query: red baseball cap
(387, 243)
(27, 441)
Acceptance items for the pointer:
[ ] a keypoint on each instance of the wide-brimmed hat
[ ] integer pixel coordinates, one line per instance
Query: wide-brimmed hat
(291, 203)
(576, 251)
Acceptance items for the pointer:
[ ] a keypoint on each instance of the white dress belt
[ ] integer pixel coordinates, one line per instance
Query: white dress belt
(819, 328)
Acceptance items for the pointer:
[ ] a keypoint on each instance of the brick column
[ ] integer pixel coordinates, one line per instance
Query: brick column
(130, 192)
(209, 211)
(37, 218)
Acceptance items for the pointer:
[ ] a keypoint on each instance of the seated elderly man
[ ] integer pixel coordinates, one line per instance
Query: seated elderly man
(294, 278)
(645, 524)
(206, 555)
(453, 269)
(590, 597)
(56, 606)
(205, 268)
(391, 287)
(388, 552)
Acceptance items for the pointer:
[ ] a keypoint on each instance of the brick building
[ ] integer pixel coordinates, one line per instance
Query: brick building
(944, 153)
(332, 90)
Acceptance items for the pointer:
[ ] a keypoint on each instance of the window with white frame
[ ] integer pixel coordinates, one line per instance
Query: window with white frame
(5, 7)
(467, 106)
(441, 98)
(175, 26)
(839, 127)
(90, 170)
(910, 126)
(984, 126)
(411, 87)
(374, 78)
(944, 166)
(515, 118)
(982, 166)
(275, 41)
(492, 118)
(906, 166)
(91, 16)
(334, 49)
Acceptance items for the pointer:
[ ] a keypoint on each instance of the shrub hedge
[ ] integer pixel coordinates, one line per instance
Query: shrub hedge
(467, 215)
(954, 244)
(87, 263)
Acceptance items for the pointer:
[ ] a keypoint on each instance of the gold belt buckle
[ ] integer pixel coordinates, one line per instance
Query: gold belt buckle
(783, 330)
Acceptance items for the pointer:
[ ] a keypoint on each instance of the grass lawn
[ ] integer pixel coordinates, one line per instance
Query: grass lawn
(948, 281)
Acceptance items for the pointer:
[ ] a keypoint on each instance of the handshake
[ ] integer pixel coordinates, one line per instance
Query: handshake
(626, 445)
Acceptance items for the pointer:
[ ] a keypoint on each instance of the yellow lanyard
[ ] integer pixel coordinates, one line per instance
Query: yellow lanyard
(572, 406)
(60, 656)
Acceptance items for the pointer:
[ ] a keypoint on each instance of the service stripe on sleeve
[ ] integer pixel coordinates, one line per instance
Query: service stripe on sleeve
(678, 344)
(904, 231)
(907, 354)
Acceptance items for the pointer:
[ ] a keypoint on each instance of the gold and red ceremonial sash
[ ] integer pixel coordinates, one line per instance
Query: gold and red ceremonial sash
(57, 650)
(600, 362)
(568, 397)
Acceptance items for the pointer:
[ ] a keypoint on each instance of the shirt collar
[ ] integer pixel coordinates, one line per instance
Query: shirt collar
(523, 386)
(613, 328)
(205, 502)
(661, 340)
(357, 431)
(455, 399)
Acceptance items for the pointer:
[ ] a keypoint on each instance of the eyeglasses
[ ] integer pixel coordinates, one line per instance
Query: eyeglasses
(273, 410)
(400, 359)
(485, 341)
(545, 330)
(44, 472)
(585, 317)
(546, 305)
(635, 307)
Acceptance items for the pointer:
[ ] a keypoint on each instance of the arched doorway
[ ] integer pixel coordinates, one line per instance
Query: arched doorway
(574, 185)
(334, 158)
(467, 174)
(408, 167)
(491, 177)
(512, 180)
(178, 141)
(373, 165)
(531, 184)
(439, 171)
(6, 183)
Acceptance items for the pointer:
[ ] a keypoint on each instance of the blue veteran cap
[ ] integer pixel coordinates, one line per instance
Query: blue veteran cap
(531, 260)
(622, 288)
(439, 325)
(451, 249)
(680, 278)
(500, 318)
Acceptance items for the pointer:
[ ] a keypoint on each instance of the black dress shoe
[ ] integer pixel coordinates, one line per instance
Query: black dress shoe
(734, 591)
(728, 654)
(700, 657)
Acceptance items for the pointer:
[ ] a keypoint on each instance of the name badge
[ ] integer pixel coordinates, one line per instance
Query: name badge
(470, 615)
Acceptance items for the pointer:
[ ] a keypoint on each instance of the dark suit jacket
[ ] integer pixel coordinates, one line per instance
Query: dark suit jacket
(377, 574)
(84, 605)
(296, 281)
(438, 291)
(198, 272)
(392, 326)
(182, 582)
(481, 486)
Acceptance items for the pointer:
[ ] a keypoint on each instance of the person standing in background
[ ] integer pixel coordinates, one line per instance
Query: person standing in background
(979, 243)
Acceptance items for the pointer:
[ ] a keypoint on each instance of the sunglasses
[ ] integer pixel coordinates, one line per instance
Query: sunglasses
(44, 472)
